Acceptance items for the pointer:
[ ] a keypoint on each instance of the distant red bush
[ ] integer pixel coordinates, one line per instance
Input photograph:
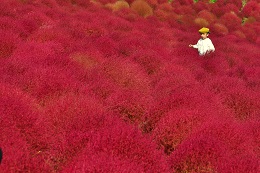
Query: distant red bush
(184, 9)
(207, 15)
(142, 8)
(250, 33)
(231, 7)
(231, 20)
(201, 5)
(184, 2)
(219, 29)
(118, 5)
(239, 34)
(201, 22)
(165, 12)
(252, 8)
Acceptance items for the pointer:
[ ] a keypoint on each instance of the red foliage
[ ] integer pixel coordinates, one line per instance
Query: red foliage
(177, 94)
(165, 7)
(8, 43)
(89, 60)
(5, 7)
(136, 40)
(177, 126)
(81, 3)
(222, 3)
(252, 8)
(230, 7)
(250, 34)
(218, 147)
(200, 154)
(184, 10)
(108, 48)
(117, 25)
(23, 135)
(217, 9)
(10, 25)
(184, 2)
(119, 147)
(74, 119)
(130, 105)
(231, 20)
(33, 20)
(209, 16)
(201, 5)
(253, 132)
(252, 74)
(201, 22)
(236, 97)
(219, 29)
(127, 74)
(142, 8)
(106, 1)
(48, 33)
(127, 14)
(151, 61)
(16, 152)
(132, 97)
(37, 53)
(85, 88)
(245, 106)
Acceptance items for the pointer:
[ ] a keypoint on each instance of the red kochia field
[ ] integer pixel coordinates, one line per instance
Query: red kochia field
(112, 87)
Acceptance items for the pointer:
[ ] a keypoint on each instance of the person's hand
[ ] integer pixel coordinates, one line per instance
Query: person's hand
(190, 45)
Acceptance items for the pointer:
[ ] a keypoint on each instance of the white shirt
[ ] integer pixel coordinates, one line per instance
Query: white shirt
(204, 46)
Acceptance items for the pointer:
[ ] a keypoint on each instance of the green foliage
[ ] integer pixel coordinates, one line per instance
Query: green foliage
(244, 20)
(210, 1)
(244, 3)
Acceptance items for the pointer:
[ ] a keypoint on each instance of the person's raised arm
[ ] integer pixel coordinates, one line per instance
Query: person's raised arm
(194, 46)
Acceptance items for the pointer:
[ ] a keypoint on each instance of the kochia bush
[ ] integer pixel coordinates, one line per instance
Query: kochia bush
(119, 147)
(23, 136)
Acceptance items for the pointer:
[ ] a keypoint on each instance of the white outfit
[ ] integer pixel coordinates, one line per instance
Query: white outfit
(204, 46)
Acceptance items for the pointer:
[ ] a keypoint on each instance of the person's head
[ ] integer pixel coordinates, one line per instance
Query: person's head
(204, 32)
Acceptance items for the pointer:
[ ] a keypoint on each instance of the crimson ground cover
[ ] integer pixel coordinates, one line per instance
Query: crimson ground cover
(112, 86)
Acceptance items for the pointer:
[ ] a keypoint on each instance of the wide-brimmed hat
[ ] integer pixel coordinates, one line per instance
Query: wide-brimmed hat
(204, 30)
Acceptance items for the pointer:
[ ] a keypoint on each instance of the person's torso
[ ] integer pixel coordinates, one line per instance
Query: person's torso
(203, 45)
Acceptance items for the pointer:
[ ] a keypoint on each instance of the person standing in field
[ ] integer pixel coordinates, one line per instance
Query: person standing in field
(204, 45)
